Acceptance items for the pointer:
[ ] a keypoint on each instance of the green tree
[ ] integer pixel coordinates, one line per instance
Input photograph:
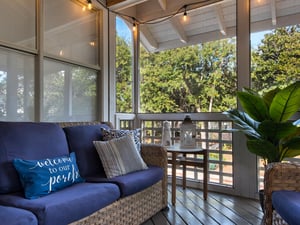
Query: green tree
(123, 75)
(276, 61)
(202, 75)
(165, 79)
(218, 75)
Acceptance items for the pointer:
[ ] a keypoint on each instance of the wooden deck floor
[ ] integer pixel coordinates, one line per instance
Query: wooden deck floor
(218, 209)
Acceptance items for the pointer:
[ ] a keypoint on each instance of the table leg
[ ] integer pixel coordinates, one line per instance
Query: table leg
(173, 178)
(184, 173)
(205, 172)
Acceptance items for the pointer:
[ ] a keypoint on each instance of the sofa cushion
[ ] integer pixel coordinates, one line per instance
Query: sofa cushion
(287, 205)
(114, 133)
(16, 216)
(41, 177)
(27, 140)
(134, 182)
(80, 139)
(119, 156)
(66, 205)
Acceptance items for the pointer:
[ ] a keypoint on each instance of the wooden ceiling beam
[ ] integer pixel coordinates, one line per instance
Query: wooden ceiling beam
(220, 19)
(179, 30)
(120, 5)
(113, 2)
(273, 12)
(163, 4)
(147, 39)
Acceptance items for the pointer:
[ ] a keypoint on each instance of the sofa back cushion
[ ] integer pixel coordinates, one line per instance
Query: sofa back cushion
(29, 141)
(80, 139)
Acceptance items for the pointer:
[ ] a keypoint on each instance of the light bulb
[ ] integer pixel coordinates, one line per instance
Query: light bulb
(184, 16)
(134, 27)
(89, 4)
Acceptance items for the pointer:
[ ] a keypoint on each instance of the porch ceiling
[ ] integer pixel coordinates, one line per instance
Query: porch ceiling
(207, 19)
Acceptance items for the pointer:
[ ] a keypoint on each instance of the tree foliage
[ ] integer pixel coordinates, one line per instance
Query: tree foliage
(123, 75)
(204, 75)
(201, 75)
(277, 59)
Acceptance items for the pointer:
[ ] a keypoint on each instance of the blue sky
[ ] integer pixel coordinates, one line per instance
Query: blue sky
(122, 29)
(257, 37)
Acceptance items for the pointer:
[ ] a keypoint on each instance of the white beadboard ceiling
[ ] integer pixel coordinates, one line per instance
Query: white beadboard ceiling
(207, 19)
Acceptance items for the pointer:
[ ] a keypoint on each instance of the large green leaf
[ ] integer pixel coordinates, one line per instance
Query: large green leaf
(253, 105)
(264, 149)
(245, 123)
(274, 131)
(286, 103)
(292, 144)
(292, 147)
(268, 96)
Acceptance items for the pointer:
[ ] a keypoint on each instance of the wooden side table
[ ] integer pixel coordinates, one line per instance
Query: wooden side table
(175, 151)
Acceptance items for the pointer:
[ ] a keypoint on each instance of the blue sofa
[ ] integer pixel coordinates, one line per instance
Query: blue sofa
(93, 199)
(282, 194)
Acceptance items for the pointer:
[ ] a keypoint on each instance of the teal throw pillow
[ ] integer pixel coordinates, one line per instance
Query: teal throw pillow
(41, 177)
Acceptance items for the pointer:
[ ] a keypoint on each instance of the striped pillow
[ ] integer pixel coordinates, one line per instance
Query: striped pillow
(119, 156)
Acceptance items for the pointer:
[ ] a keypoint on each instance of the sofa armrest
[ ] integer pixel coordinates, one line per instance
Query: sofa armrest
(156, 155)
(279, 176)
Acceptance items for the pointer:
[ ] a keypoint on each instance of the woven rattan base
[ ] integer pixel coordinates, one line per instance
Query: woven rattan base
(137, 208)
(131, 210)
(279, 176)
(277, 220)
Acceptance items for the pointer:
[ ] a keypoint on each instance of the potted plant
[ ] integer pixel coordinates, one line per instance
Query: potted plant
(266, 122)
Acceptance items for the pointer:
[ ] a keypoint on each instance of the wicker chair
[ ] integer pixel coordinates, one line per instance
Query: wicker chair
(136, 208)
(279, 176)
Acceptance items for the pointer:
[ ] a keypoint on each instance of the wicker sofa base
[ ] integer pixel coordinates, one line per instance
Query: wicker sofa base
(277, 220)
(131, 210)
(279, 176)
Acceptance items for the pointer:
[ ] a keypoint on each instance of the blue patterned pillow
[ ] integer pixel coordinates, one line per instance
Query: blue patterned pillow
(113, 133)
(119, 156)
(41, 177)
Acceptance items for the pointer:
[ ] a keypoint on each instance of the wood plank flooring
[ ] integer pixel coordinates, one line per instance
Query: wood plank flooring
(220, 209)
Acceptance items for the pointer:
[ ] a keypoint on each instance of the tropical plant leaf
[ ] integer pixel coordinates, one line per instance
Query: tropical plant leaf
(292, 147)
(266, 122)
(264, 149)
(245, 123)
(268, 96)
(286, 103)
(273, 131)
(253, 105)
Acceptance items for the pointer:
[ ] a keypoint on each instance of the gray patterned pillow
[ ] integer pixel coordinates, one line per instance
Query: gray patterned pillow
(119, 156)
(113, 133)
